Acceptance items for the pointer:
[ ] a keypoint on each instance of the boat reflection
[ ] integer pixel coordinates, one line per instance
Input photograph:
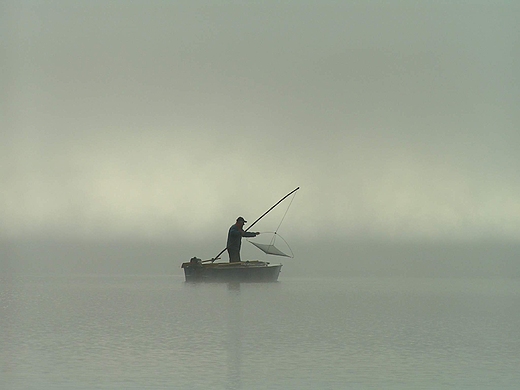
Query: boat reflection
(234, 337)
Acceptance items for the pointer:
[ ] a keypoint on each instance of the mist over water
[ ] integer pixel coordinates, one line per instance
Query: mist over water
(134, 134)
(151, 121)
(312, 258)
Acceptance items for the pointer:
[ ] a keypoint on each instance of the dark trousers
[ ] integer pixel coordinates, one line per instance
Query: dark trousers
(234, 255)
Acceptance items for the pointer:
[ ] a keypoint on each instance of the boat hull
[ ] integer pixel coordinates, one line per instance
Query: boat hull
(245, 271)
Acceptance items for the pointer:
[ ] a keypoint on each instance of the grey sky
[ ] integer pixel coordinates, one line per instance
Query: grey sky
(153, 118)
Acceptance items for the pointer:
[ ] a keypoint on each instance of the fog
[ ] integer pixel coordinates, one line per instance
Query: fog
(136, 132)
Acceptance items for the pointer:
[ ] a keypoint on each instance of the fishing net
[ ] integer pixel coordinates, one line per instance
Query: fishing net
(271, 249)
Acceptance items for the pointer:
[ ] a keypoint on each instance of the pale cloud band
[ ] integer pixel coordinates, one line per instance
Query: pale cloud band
(159, 119)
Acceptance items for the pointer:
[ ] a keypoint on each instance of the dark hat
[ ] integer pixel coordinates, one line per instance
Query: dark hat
(241, 219)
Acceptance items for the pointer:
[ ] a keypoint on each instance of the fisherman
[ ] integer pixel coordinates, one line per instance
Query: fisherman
(234, 240)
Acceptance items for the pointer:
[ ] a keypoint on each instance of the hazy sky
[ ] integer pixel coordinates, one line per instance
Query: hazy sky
(398, 119)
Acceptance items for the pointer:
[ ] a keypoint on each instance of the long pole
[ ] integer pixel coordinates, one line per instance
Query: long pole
(258, 219)
(276, 204)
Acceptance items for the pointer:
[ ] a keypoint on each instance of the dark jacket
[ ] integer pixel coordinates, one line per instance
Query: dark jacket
(234, 238)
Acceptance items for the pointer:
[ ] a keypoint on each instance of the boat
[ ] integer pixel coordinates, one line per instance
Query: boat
(197, 270)
(254, 271)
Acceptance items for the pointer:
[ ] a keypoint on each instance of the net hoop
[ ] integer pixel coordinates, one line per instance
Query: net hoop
(271, 243)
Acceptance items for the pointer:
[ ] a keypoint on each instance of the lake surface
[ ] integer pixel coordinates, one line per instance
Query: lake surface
(157, 332)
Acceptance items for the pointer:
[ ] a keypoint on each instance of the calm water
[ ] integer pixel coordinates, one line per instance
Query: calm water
(156, 332)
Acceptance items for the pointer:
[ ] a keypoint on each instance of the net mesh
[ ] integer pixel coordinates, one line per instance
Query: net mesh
(270, 249)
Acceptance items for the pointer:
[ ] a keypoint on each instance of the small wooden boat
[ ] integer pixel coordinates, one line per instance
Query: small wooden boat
(245, 271)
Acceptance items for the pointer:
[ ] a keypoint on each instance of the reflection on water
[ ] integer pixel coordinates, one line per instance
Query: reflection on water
(234, 336)
(159, 332)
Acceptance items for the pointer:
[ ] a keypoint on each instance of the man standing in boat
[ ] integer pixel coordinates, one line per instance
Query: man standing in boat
(234, 240)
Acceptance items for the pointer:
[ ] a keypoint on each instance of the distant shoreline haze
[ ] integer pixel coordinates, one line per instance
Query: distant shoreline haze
(493, 259)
